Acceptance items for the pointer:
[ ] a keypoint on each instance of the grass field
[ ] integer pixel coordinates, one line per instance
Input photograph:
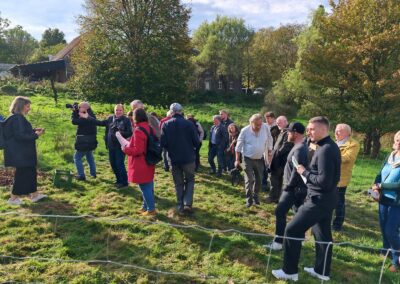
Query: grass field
(202, 256)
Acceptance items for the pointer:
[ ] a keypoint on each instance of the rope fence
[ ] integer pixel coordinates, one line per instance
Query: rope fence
(213, 232)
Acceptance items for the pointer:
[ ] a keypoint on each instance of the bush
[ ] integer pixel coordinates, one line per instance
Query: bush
(9, 90)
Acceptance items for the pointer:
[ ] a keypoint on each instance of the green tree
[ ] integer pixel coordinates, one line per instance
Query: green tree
(354, 62)
(134, 48)
(18, 45)
(42, 53)
(222, 45)
(273, 52)
(52, 37)
(3, 26)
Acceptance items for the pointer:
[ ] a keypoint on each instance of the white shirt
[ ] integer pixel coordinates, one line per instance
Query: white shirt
(254, 145)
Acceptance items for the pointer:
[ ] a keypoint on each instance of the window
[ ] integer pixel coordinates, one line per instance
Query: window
(207, 85)
(219, 85)
(231, 85)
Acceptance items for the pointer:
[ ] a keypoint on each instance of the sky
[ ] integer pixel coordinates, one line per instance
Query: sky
(35, 16)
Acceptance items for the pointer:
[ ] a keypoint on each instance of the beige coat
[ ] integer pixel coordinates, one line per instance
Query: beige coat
(348, 153)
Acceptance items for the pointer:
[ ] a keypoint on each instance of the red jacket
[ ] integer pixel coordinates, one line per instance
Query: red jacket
(138, 170)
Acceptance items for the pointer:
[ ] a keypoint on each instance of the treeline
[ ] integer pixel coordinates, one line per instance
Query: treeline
(343, 64)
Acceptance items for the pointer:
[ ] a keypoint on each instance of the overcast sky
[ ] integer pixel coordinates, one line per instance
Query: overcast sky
(38, 15)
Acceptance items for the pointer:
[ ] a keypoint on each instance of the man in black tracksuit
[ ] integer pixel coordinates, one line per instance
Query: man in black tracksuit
(294, 188)
(322, 176)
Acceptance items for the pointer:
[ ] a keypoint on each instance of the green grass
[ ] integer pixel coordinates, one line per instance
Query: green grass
(230, 257)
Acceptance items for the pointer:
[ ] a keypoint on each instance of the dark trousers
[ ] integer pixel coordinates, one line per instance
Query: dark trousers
(183, 176)
(25, 181)
(213, 151)
(340, 210)
(197, 162)
(230, 161)
(252, 178)
(286, 201)
(276, 179)
(165, 159)
(117, 162)
(316, 213)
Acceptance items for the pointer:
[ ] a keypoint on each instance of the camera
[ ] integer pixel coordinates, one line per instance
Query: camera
(373, 193)
(73, 106)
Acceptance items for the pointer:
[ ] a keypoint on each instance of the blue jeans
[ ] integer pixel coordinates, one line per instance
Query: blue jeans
(389, 220)
(117, 162)
(213, 151)
(79, 165)
(148, 195)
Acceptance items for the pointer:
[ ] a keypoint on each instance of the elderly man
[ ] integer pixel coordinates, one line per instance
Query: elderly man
(280, 152)
(253, 144)
(349, 149)
(217, 144)
(179, 137)
(153, 121)
(322, 177)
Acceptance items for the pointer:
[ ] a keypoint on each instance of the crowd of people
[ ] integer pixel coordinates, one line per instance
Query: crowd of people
(307, 170)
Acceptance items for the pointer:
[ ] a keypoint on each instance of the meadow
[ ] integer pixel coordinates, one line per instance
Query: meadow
(54, 249)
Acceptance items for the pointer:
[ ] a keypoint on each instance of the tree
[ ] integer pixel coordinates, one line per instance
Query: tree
(42, 53)
(52, 37)
(3, 26)
(134, 48)
(355, 63)
(221, 45)
(18, 45)
(273, 52)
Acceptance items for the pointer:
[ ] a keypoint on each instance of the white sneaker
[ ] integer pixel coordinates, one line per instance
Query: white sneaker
(311, 271)
(38, 197)
(280, 274)
(274, 246)
(16, 201)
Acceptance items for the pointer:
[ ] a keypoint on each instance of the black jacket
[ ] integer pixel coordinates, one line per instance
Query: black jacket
(292, 179)
(20, 147)
(221, 136)
(323, 173)
(280, 152)
(113, 124)
(226, 122)
(274, 133)
(179, 137)
(87, 131)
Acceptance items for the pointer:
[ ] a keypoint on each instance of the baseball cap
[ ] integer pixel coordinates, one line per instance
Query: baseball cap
(175, 107)
(296, 127)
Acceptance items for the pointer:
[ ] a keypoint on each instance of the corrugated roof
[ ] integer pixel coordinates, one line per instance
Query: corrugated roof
(67, 50)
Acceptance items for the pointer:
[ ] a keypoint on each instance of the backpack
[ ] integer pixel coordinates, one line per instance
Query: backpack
(154, 150)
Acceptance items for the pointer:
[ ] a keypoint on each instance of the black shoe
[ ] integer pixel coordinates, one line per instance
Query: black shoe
(121, 185)
(256, 202)
(95, 176)
(80, 178)
(188, 209)
(166, 169)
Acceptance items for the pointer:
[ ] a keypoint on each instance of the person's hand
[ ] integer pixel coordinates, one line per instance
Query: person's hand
(83, 114)
(237, 164)
(39, 131)
(300, 169)
(376, 187)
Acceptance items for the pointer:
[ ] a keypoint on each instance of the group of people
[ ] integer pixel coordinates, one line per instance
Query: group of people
(308, 170)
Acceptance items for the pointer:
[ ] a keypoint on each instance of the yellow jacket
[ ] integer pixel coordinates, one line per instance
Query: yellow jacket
(348, 153)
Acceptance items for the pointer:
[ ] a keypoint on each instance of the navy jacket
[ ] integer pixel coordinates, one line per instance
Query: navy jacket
(323, 173)
(179, 137)
(221, 138)
(20, 137)
(86, 133)
(113, 124)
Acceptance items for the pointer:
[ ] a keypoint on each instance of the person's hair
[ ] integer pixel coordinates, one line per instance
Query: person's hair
(321, 120)
(255, 117)
(118, 105)
(269, 114)
(345, 127)
(136, 104)
(130, 113)
(18, 104)
(84, 104)
(140, 115)
(232, 125)
(397, 135)
(282, 117)
(224, 111)
(217, 117)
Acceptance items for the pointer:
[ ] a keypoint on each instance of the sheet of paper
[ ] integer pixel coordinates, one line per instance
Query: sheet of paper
(296, 164)
(121, 140)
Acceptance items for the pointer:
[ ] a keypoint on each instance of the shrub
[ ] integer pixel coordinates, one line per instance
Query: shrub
(9, 90)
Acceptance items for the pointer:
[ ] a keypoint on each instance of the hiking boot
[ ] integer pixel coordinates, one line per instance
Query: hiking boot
(188, 209)
(141, 211)
(151, 213)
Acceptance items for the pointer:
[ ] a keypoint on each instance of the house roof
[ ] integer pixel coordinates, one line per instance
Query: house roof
(67, 50)
(6, 67)
(38, 70)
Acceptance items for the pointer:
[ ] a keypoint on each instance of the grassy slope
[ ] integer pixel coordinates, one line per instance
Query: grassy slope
(218, 205)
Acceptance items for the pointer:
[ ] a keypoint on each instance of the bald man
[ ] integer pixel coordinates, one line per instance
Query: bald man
(280, 152)
(349, 149)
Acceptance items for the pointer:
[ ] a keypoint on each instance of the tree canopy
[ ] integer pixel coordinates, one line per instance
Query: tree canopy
(52, 37)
